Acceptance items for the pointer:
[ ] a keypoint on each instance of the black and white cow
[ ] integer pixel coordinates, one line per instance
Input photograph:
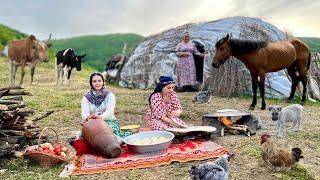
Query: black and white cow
(66, 61)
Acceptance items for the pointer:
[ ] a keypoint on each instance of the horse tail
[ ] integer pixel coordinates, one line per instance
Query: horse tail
(309, 61)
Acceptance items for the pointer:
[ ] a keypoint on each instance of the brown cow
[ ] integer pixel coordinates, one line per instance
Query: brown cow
(28, 51)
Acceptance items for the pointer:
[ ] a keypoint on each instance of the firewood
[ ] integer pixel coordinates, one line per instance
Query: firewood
(4, 93)
(46, 114)
(12, 139)
(14, 127)
(3, 107)
(12, 132)
(16, 98)
(27, 93)
(10, 102)
(11, 87)
(6, 115)
(15, 106)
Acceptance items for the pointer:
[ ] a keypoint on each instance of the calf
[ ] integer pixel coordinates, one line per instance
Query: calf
(66, 61)
(27, 51)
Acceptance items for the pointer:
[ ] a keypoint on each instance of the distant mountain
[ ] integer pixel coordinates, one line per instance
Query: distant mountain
(98, 48)
(314, 43)
(7, 34)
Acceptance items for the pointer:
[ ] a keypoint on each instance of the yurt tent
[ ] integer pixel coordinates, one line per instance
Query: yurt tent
(156, 56)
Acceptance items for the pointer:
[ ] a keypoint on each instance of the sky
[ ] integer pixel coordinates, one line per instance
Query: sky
(69, 18)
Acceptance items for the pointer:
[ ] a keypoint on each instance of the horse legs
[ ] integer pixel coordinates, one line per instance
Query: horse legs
(295, 80)
(262, 91)
(304, 79)
(254, 80)
(32, 73)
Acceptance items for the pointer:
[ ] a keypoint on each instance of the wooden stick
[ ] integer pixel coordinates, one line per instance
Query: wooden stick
(4, 93)
(12, 132)
(15, 106)
(16, 98)
(46, 114)
(26, 93)
(10, 102)
(11, 87)
(6, 115)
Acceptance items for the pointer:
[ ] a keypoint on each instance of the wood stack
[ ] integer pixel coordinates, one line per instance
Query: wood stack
(17, 122)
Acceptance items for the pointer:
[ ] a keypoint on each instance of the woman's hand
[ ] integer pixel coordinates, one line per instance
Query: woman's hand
(176, 113)
(91, 117)
(184, 125)
(183, 54)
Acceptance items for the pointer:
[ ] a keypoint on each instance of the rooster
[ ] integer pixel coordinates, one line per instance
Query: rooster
(217, 170)
(279, 159)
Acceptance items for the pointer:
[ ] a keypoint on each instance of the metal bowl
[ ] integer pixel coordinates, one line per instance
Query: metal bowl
(149, 148)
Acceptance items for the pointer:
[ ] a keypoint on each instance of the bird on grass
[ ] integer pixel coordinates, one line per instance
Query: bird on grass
(216, 170)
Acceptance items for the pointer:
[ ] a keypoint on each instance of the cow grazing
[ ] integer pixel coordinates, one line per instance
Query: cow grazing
(28, 51)
(66, 60)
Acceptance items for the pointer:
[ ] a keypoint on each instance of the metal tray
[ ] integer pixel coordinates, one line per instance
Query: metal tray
(149, 148)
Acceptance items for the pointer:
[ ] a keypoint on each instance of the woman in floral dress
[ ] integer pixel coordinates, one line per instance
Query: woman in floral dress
(165, 107)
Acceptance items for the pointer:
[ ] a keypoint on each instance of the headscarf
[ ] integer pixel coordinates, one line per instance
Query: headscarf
(163, 81)
(92, 96)
(97, 99)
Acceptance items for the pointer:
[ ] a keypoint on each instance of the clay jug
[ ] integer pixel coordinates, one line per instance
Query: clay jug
(98, 135)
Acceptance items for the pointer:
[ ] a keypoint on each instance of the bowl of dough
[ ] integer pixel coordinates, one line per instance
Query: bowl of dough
(149, 141)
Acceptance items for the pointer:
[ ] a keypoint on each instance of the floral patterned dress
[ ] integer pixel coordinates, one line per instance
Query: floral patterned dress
(186, 70)
(160, 107)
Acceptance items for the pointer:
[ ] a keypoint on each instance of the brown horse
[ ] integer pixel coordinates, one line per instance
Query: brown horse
(262, 57)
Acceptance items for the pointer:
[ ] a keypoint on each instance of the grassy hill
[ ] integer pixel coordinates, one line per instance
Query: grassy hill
(7, 34)
(98, 47)
(314, 43)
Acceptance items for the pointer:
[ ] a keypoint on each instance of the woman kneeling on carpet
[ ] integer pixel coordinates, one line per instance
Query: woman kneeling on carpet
(99, 103)
(165, 107)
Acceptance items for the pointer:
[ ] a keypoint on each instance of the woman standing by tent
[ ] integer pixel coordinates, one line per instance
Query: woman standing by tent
(186, 68)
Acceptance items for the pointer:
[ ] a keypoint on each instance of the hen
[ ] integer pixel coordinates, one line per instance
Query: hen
(217, 170)
(278, 158)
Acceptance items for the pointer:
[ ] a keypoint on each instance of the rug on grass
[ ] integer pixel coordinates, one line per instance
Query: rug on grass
(188, 151)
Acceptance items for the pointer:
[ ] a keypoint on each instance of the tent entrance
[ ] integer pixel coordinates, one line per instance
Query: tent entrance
(198, 61)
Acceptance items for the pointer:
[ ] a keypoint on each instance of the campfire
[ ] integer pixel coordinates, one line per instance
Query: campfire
(17, 123)
(231, 127)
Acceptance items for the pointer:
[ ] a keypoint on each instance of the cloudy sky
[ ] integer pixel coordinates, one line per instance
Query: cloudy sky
(67, 18)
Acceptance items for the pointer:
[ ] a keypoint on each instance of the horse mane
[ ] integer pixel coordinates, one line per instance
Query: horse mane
(240, 46)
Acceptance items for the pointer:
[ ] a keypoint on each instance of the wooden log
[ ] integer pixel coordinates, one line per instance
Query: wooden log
(12, 139)
(11, 132)
(4, 93)
(14, 127)
(3, 107)
(11, 87)
(23, 93)
(6, 115)
(15, 106)
(46, 114)
(10, 102)
(16, 98)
